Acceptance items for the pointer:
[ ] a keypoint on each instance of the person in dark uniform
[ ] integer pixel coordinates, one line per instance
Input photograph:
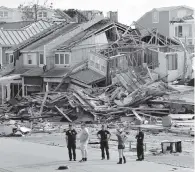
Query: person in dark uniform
(140, 145)
(71, 142)
(104, 136)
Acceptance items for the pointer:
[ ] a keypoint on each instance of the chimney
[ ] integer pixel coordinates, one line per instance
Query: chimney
(113, 15)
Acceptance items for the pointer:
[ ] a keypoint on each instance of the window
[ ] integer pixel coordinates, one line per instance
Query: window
(155, 17)
(3, 14)
(42, 14)
(62, 59)
(11, 58)
(41, 59)
(179, 31)
(29, 59)
(172, 61)
(56, 58)
(45, 14)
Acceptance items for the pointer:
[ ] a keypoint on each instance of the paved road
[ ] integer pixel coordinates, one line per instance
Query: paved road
(22, 156)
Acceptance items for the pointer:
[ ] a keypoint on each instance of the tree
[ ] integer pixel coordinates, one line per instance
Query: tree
(30, 10)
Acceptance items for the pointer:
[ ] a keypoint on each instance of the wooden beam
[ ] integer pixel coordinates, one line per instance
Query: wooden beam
(59, 110)
(42, 105)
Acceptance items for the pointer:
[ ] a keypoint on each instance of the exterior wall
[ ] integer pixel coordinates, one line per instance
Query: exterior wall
(34, 59)
(14, 15)
(50, 14)
(102, 64)
(162, 70)
(48, 49)
(162, 25)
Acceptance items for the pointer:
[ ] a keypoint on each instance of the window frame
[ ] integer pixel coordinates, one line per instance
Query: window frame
(157, 20)
(41, 14)
(29, 57)
(40, 59)
(3, 14)
(173, 58)
(64, 58)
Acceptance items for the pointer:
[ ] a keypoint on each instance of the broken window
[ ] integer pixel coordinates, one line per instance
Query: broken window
(172, 61)
(151, 58)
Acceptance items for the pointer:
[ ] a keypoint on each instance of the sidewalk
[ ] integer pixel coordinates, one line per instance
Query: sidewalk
(22, 156)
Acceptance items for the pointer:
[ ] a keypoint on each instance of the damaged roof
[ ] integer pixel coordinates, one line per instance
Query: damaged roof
(87, 76)
(56, 72)
(17, 36)
(14, 25)
(39, 45)
(95, 29)
(37, 71)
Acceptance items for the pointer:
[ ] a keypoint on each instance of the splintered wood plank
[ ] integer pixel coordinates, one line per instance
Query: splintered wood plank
(42, 105)
(59, 110)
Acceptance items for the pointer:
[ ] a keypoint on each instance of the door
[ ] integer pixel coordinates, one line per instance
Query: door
(41, 60)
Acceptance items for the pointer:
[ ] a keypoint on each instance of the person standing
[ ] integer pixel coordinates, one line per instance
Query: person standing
(104, 135)
(121, 145)
(71, 142)
(84, 139)
(140, 145)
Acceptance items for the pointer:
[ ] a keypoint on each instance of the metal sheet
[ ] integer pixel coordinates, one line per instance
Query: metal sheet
(13, 36)
(4, 38)
(17, 36)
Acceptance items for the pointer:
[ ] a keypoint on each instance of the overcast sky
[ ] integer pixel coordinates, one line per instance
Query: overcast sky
(129, 10)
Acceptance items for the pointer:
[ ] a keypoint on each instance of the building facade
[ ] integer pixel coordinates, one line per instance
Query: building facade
(175, 22)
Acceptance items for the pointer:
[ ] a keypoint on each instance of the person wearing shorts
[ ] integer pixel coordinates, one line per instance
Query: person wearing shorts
(84, 139)
(121, 137)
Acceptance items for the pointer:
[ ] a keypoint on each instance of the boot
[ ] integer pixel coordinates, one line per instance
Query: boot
(82, 160)
(124, 159)
(85, 159)
(120, 161)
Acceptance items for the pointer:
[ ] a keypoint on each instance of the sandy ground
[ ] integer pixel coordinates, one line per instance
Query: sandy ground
(176, 161)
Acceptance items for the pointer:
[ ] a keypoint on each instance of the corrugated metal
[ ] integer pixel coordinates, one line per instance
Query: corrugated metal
(14, 37)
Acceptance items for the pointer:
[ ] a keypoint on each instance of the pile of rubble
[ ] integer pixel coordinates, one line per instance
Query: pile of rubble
(131, 95)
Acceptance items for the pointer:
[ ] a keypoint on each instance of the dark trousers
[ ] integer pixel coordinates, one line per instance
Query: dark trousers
(72, 151)
(104, 147)
(140, 151)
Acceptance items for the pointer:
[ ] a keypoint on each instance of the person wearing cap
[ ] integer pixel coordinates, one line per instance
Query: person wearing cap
(71, 142)
(140, 145)
(121, 145)
(84, 139)
(104, 136)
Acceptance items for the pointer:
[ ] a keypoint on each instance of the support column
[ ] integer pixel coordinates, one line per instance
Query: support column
(23, 89)
(8, 92)
(2, 93)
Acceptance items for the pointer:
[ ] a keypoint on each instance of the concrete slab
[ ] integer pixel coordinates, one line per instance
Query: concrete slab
(22, 156)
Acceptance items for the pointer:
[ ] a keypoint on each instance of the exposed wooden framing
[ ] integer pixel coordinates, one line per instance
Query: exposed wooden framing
(42, 105)
(61, 112)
